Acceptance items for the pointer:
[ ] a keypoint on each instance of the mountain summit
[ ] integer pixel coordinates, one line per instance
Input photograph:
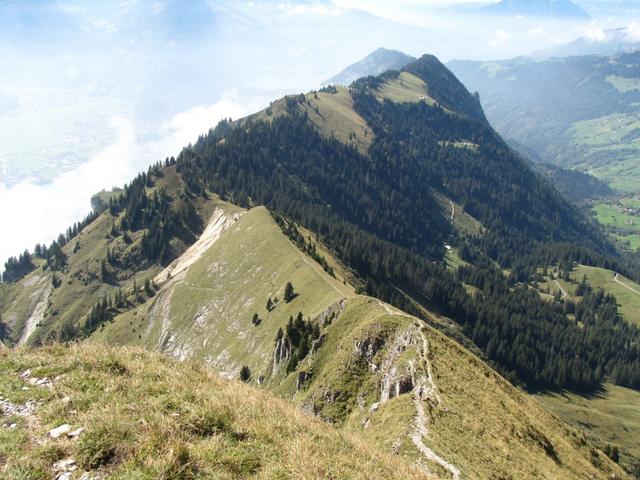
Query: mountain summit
(375, 63)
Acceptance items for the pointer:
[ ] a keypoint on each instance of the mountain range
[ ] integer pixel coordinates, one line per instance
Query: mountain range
(579, 112)
(556, 9)
(368, 253)
(538, 8)
(609, 42)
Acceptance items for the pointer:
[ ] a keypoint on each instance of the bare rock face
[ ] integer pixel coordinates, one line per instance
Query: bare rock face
(331, 313)
(58, 432)
(368, 348)
(281, 353)
(317, 343)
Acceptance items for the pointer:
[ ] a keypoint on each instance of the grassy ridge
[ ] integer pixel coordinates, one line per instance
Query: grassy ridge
(475, 419)
(208, 314)
(148, 417)
(367, 348)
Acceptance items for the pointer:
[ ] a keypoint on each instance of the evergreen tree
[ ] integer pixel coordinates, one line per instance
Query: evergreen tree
(289, 293)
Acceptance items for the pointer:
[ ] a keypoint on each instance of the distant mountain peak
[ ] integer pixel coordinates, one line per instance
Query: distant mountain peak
(538, 8)
(612, 41)
(377, 62)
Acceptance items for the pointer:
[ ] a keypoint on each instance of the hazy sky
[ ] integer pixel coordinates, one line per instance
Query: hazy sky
(92, 92)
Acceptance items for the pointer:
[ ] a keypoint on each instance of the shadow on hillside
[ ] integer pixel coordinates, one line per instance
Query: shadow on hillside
(592, 394)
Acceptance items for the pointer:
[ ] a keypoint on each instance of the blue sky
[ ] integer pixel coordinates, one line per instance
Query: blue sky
(93, 91)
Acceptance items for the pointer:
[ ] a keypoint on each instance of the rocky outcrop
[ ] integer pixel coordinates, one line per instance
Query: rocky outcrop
(281, 354)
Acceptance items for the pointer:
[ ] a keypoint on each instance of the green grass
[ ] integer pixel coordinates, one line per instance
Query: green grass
(208, 315)
(622, 175)
(253, 260)
(153, 418)
(335, 117)
(620, 225)
(331, 113)
(405, 88)
(612, 215)
(611, 147)
(629, 242)
(628, 301)
(462, 221)
(478, 415)
(612, 417)
(624, 84)
(452, 259)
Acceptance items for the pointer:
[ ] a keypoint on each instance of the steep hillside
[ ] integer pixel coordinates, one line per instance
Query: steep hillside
(206, 311)
(350, 359)
(388, 175)
(105, 258)
(375, 63)
(610, 419)
(626, 292)
(578, 112)
(92, 412)
(261, 249)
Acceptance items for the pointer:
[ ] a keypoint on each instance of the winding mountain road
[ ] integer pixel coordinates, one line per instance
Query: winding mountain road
(617, 280)
(564, 292)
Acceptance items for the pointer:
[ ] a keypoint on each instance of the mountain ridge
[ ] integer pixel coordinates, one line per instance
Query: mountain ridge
(304, 249)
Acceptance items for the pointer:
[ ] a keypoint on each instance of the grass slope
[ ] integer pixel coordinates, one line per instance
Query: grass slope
(474, 420)
(42, 307)
(373, 370)
(330, 111)
(621, 219)
(148, 417)
(208, 314)
(610, 418)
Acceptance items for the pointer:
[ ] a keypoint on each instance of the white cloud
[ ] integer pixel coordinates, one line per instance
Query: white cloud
(37, 213)
(185, 127)
(633, 31)
(595, 34)
(321, 10)
(499, 38)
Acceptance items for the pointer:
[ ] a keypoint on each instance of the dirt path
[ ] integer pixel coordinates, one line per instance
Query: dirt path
(564, 293)
(427, 389)
(453, 210)
(424, 389)
(392, 311)
(617, 280)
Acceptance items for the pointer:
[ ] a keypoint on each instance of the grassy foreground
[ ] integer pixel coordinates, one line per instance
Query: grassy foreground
(148, 417)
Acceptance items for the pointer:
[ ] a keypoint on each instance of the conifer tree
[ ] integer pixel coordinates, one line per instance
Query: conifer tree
(289, 293)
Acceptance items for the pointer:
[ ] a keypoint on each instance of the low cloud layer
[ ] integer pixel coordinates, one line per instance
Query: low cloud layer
(37, 213)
